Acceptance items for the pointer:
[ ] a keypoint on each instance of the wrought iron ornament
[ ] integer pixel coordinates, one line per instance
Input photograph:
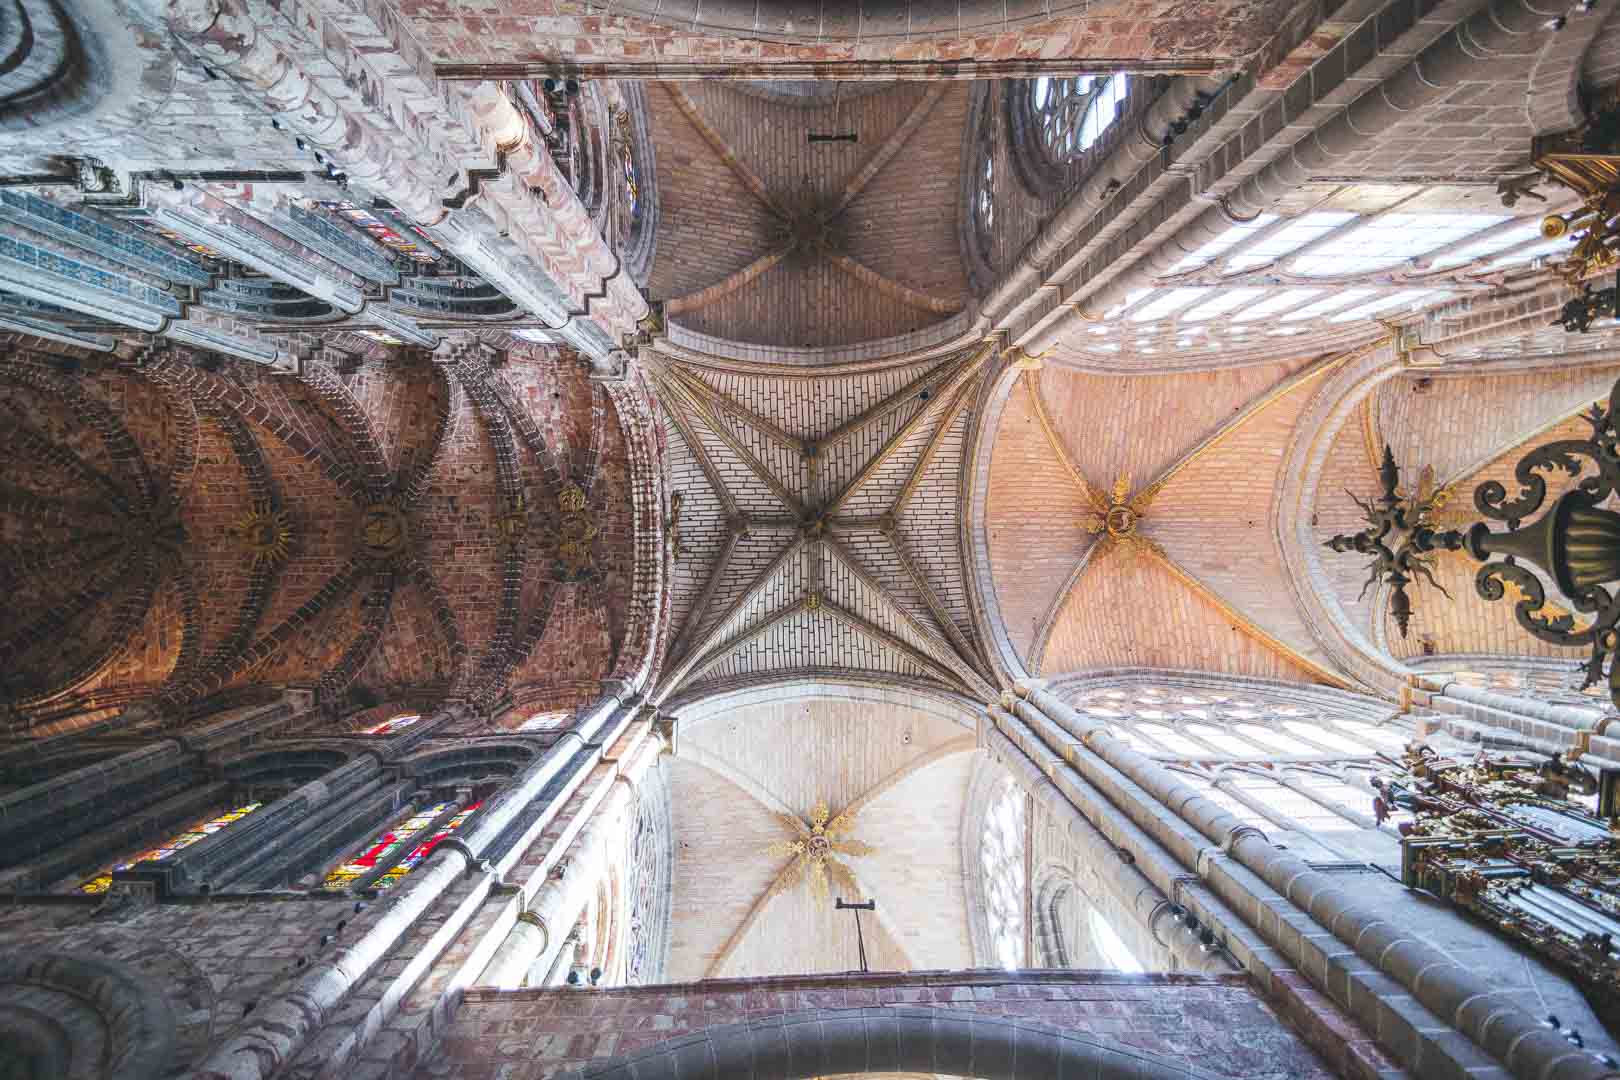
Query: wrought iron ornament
(1399, 536)
(1575, 543)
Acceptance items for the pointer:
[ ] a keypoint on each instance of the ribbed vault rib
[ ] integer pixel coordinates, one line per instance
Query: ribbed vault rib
(849, 589)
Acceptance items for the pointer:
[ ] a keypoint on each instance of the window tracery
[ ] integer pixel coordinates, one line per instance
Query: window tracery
(1330, 271)
(1174, 722)
(101, 882)
(1002, 854)
(1072, 113)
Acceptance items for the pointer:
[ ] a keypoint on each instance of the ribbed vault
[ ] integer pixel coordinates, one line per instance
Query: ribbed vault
(817, 529)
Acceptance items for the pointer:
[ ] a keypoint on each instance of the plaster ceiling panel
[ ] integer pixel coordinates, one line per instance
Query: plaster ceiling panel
(916, 827)
(214, 550)
(1213, 518)
(720, 864)
(780, 457)
(1033, 516)
(1130, 611)
(1350, 469)
(786, 585)
(830, 747)
(812, 406)
(800, 933)
(1458, 424)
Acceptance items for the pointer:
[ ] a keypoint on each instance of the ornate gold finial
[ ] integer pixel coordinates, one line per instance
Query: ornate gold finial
(267, 533)
(569, 534)
(814, 849)
(384, 531)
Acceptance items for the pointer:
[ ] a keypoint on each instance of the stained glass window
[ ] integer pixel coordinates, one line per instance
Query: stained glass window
(424, 849)
(103, 881)
(382, 847)
(397, 723)
(379, 230)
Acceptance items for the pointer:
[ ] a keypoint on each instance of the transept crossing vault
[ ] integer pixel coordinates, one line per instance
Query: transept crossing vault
(512, 518)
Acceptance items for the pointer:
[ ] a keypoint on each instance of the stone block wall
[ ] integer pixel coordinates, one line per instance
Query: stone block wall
(1216, 1024)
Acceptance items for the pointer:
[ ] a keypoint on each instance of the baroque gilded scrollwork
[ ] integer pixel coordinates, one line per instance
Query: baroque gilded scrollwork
(1501, 838)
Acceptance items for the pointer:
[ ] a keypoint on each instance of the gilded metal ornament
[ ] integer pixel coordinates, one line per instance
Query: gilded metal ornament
(568, 536)
(1115, 517)
(1501, 838)
(267, 533)
(814, 851)
(384, 531)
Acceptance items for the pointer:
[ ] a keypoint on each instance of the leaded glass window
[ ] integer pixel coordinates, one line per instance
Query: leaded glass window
(1001, 858)
(384, 845)
(422, 850)
(1072, 113)
(200, 831)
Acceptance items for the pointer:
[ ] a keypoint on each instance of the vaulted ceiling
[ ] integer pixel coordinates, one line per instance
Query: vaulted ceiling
(819, 521)
(769, 238)
(381, 533)
(750, 764)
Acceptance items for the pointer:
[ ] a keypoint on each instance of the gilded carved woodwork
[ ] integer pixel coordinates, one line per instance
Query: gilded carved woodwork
(1502, 839)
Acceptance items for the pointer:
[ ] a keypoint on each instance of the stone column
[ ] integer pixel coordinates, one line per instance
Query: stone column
(556, 905)
(1461, 997)
(1125, 878)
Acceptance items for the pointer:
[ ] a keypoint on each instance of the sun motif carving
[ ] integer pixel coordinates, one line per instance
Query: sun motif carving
(815, 850)
(267, 533)
(1116, 515)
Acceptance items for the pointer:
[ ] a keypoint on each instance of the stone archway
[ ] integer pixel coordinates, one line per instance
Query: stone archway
(884, 1039)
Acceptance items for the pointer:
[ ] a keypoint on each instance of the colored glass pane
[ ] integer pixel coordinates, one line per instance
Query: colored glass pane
(175, 238)
(424, 849)
(397, 723)
(383, 847)
(380, 230)
(103, 881)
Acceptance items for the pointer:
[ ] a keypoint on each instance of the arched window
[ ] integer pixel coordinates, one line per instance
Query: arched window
(1070, 114)
(201, 830)
(1001, 860)
(984, 197)
(1110, 947)
(400, 848)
